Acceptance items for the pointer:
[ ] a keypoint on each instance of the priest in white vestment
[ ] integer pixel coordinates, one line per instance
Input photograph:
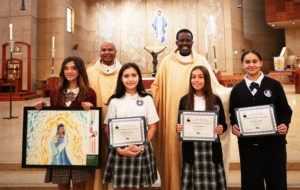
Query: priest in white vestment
(103, 79)
(171, 83)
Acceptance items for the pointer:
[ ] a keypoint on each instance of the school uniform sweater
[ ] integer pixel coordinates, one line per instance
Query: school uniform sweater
(269, 92)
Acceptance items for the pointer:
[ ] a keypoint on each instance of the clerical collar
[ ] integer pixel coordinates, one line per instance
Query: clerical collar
(184, 58)
(108, 68)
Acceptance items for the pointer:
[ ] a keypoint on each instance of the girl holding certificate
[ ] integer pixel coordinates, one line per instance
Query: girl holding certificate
(131, 167)
(72, 91)
(262, 158)
(202, 164)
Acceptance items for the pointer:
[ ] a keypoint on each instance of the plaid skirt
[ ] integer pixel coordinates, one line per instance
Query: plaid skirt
(65, 175)
(130, 172)
(203, 173)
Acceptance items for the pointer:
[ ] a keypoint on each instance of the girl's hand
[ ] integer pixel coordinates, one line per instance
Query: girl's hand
(130, 151)
(179, 128)
(282, 129)
(219, 129)
(40, 105)
(86, 105)
(143, 147)
(236, 130)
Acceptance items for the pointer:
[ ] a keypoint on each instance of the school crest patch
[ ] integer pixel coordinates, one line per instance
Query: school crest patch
(268, 93)
(139, 102)
(217, 107)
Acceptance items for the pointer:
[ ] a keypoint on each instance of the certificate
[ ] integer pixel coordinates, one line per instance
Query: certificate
(128, 130)
(198, 125)
(256, 120)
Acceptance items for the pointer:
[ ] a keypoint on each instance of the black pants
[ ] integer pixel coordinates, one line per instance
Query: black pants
(259, 164)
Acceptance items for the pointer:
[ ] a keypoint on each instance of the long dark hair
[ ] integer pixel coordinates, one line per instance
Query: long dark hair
(207, 91)
(120, 90)
(250, 51)
(82, 80)
(59, 126)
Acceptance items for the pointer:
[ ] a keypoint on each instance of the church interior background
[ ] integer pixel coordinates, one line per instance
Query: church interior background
(222, 29)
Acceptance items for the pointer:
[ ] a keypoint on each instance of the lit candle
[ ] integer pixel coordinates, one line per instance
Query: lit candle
(10, 32)
(53, 39)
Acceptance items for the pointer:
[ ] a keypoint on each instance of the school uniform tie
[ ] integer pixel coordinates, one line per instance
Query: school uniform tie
(253, 85)
(70, 96)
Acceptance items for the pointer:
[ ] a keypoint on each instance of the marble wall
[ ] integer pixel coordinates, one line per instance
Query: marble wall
(129, 24)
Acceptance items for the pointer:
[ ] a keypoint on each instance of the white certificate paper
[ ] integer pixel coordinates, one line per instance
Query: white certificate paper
(256, 120)
(198, 125)
(124, 131)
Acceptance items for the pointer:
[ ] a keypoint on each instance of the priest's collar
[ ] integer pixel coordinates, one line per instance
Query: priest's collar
(184, 59)
(187, 58)
(108, 68)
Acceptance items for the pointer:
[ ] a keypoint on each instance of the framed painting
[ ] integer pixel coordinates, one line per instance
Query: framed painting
(61, 137)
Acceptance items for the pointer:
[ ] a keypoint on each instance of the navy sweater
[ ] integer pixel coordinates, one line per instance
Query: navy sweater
(269, 92)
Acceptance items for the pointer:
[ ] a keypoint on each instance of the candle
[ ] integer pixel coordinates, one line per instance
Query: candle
(52, 52)
(53, 39)
(10, 32)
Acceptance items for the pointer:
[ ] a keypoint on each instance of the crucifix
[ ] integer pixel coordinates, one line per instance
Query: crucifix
(154, 58)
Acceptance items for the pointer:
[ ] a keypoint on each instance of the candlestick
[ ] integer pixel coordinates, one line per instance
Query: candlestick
(215, 58)
(52, 52)
(11, 45)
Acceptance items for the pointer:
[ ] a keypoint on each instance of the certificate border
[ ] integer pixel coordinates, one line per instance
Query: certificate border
(255, 134)
(142, 120)
(193, 112)
(24, 140)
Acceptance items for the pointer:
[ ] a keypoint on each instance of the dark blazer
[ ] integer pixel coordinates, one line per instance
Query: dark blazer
(269, 92)
(188, 146)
